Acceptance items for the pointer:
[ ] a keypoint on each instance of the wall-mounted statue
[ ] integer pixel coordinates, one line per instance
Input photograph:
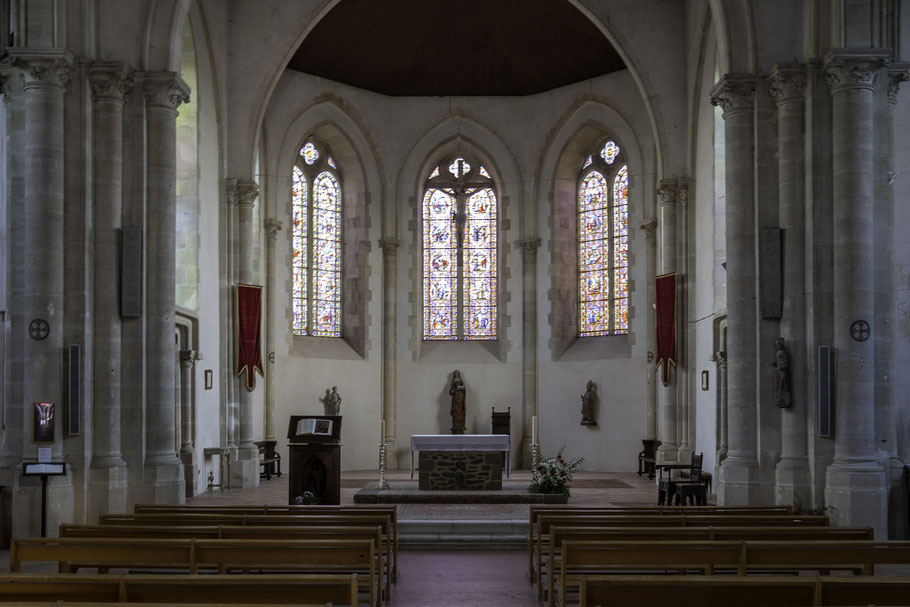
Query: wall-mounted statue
(587, 405)
(782, 384)
(332, 402)
(457, 391)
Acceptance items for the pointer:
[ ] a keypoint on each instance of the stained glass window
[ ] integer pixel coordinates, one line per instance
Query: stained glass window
(316, 242)
(459, 256)
(603, 245)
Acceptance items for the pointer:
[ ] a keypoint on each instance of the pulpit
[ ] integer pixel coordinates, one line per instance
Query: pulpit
(314, 451)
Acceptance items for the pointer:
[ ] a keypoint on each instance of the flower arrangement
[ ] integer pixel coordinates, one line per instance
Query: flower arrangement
(307, 499)
(553, 475)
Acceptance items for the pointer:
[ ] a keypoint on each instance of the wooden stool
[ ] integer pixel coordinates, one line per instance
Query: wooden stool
(691, 492)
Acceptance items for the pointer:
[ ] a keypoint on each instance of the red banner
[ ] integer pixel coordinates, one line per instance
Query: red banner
(249, 332)
(666, 324)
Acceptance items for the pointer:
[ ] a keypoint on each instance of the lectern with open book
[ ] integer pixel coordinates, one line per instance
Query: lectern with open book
(314, 445)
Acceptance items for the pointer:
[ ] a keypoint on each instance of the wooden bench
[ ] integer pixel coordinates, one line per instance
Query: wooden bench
(222, 555)
(391, 511)
(782, 591)
(558, 534)
(335, 588)
(585, 557)
(269, 459)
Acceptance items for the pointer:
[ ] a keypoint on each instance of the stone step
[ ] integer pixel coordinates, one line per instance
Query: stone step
(467, 534)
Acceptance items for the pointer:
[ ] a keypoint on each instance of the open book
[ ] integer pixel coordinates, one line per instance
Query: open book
(322, 427)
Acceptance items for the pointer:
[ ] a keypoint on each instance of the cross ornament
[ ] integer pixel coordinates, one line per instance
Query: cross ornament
(860, 330)
(38, 329)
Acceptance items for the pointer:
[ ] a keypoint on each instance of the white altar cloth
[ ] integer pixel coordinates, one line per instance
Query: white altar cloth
(462, 442)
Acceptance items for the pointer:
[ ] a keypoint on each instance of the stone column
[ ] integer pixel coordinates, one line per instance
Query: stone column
(649, 226)
(720, 358)
(272, 227)
(110, 85)
(389, 345)
(739, 474)
(787, 87)
(45, 75)
(855, 489)
(247, 465)
(670, 423)
(164, 92)
(188, 420)
(529, 248)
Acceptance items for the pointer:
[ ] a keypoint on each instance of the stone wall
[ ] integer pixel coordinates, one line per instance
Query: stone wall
(460, 471)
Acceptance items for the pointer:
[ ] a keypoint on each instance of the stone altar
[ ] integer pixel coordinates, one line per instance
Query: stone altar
(461, 462)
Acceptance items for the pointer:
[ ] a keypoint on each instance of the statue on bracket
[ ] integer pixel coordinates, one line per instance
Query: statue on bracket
(587, 405)
(457, 391)
(782, 384)
(332, 402)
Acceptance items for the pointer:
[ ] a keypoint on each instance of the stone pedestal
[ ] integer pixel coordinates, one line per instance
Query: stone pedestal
(460, 471)
(108, 492)
(857, 496)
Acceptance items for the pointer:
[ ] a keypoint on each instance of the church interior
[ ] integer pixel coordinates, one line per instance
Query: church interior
(657, 229)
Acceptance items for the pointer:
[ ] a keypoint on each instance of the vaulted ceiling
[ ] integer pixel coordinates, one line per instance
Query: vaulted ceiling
(456, 47)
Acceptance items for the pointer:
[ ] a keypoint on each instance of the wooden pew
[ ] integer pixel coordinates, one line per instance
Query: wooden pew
(392, 511)
(536, 510)
(783, 591)
(335, 588)
(558, 534)
(239, 532)
(94, 604)
(584, 557)
(545, 520)
(223, 555)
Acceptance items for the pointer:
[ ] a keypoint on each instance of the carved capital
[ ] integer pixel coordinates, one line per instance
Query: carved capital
(897, 73)
(682, 193)
(230, 190)
(787, 83)
(650, 227)
(272, 227)
(43, 68)
(389, 246)
(529, 246)
(845, 70)
(187, 359)
(165, 90)
(666, 191)
(110, 80)
(734, 93)
(721, 359)
(247, 193)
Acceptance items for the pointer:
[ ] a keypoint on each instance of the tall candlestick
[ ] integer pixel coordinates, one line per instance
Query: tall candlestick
(534, 429)
(381, 431)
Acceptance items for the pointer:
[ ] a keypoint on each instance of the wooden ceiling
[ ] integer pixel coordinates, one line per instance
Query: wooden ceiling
(456, 47)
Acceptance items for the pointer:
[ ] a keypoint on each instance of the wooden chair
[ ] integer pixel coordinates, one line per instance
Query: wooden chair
(669, 487)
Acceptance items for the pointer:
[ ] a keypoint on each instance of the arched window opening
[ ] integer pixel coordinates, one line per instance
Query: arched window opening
(460, 253)
(603, 244)
(316, 243)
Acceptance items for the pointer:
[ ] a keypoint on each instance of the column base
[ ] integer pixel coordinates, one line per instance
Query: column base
(898, 502)
(108, 492)
(667, 453)
(164, 483)
(791, 483)
(245, 469)
(684, 454)
(739, 483)
(525, 461)
(856, 495)
(391, 453)
(190, 472)
(26, 505)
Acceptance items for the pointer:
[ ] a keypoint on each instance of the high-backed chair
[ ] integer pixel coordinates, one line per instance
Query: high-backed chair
(691, 488)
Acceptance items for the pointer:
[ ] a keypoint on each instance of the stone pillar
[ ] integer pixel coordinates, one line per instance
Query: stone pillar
(739, 474)
(45, 75)
(649, 226)
(529, 248)
(246, 468)
(110, 85)
(720, 358)
(666, 394)
(855, 489)
(164, 92)
(787, 87)
(188, 420)
(272, 227)
(389, 345)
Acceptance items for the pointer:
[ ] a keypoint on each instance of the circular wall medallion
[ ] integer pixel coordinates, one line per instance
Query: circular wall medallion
(860, 330)
(38, 329)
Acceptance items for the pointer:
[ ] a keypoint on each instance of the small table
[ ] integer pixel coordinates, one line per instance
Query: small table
(462, 442)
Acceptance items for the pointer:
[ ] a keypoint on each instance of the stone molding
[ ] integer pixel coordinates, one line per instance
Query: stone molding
(649, 226)
(667, 190)
(187, 358)
(389, 246)
(682, 194)
(110, 80)
(241, 193)
(529, 246)
(721, 359)
(851, 69)
(165, 90)
(734, 93)
(787, 83)
(897, 73)
(272, 227)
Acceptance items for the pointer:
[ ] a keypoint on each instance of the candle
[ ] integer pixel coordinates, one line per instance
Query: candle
(382, 432)
(534, 429)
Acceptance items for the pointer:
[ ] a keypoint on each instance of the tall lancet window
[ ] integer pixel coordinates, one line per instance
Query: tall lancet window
(459, 253)
(603, 243)
(316, 242)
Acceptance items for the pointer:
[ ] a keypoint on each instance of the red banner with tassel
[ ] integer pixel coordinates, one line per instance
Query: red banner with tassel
(666, 324)
(249, 332)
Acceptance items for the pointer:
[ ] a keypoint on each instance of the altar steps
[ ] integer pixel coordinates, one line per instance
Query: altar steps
(406, 492)
(463, 534)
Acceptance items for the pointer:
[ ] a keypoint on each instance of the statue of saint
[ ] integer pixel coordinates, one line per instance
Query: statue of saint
(587, 406)
(456, 390)
(782, 363)
(333, 402)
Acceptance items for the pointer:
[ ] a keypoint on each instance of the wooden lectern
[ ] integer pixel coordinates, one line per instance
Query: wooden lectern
(314, 445)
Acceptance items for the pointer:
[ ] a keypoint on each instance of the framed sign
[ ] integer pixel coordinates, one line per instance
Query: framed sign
(45, 418)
